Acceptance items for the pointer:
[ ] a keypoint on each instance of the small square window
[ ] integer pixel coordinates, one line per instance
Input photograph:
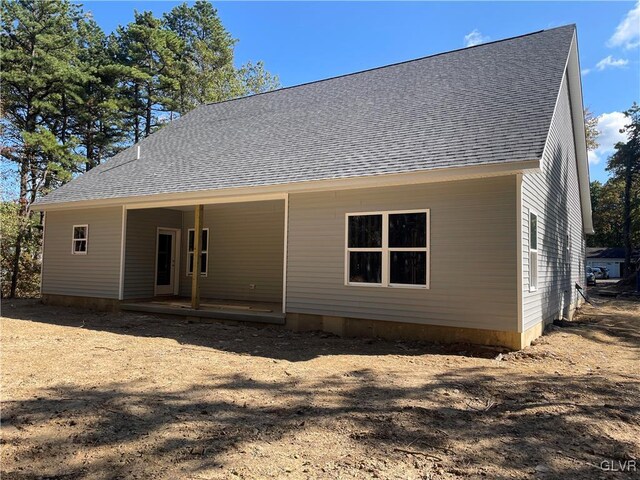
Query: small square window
(80, 240)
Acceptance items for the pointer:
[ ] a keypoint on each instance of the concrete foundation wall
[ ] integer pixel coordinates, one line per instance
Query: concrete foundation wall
(357, 327)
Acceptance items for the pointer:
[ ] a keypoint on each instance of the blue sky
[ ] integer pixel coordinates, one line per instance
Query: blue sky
(307, 41)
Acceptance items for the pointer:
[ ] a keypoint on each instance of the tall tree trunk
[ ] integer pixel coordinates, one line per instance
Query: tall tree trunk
(65, 118)
(148, 111)
(15, 269)
(136, 121)
(90, 154)
(628, 178)
(26, 163)
(22, 213)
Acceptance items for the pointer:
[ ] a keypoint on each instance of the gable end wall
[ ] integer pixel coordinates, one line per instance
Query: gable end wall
(554, 195)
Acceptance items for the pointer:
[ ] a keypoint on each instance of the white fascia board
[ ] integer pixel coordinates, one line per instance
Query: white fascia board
(278, 192)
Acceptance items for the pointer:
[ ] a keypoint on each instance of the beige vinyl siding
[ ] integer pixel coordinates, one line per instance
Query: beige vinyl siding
(554, 195)
(140, 250)
(246, 246)
(96, 274)
(473, 255)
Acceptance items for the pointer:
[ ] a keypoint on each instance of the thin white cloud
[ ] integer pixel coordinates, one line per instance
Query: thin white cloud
(627, 32)
(475, 38)
(609, 125)
(610, 62)
(585, 71)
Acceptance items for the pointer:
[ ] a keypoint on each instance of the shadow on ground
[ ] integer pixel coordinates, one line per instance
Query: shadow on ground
(523, 426)
(477, 419)
(273, 342)
(608, 321)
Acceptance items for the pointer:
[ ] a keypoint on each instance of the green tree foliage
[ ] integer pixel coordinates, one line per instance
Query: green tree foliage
(99, 102)
(616, 204)
(73, 96)
(150, 54)
(255, 79)
(624, 166)
(11, 226)
(607, 201)
(206, 66)
(206, 70)
(39, 63)
(591, 129)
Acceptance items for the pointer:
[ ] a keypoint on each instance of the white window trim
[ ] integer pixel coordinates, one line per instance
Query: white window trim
(74, 240)
(534, 288)
(386, 250)
(203, 249)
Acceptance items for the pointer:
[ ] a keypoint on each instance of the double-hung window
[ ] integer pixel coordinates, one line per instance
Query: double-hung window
(80, 240)
(388, 249)
(204, 251)
(533, 251)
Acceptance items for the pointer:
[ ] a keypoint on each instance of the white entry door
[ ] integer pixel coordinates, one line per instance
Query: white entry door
(165, 262)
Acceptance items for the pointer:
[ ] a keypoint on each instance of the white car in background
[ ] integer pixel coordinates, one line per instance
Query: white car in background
(605, 272)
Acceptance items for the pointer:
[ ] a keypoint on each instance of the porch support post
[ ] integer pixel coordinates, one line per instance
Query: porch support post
(197, 249)
(123, 243)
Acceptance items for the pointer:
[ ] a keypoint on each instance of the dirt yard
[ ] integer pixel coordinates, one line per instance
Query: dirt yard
(94, 395)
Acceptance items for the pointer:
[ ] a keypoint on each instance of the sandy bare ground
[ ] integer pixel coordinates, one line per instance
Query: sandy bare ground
(94, 395)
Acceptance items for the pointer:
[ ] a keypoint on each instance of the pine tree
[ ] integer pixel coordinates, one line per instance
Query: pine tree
(206, 69)
(38, 70)
(206, 66)
(97, 120)
(150, 54)
(72, 96)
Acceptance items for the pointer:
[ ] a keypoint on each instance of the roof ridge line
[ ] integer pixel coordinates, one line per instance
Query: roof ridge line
(389, 65)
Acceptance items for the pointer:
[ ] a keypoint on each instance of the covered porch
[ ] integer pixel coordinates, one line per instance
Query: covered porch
(223, 260)
(256, 312)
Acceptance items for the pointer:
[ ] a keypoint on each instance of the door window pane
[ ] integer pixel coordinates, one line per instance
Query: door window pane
(164, 259)
(409, 268)
(407, 230)
(365, 267)
(365, 231)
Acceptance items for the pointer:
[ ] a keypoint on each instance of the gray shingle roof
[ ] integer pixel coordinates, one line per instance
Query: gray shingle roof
(491, 103)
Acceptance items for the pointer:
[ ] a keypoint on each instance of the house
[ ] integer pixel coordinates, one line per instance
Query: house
(612, 258)
(444, 198)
